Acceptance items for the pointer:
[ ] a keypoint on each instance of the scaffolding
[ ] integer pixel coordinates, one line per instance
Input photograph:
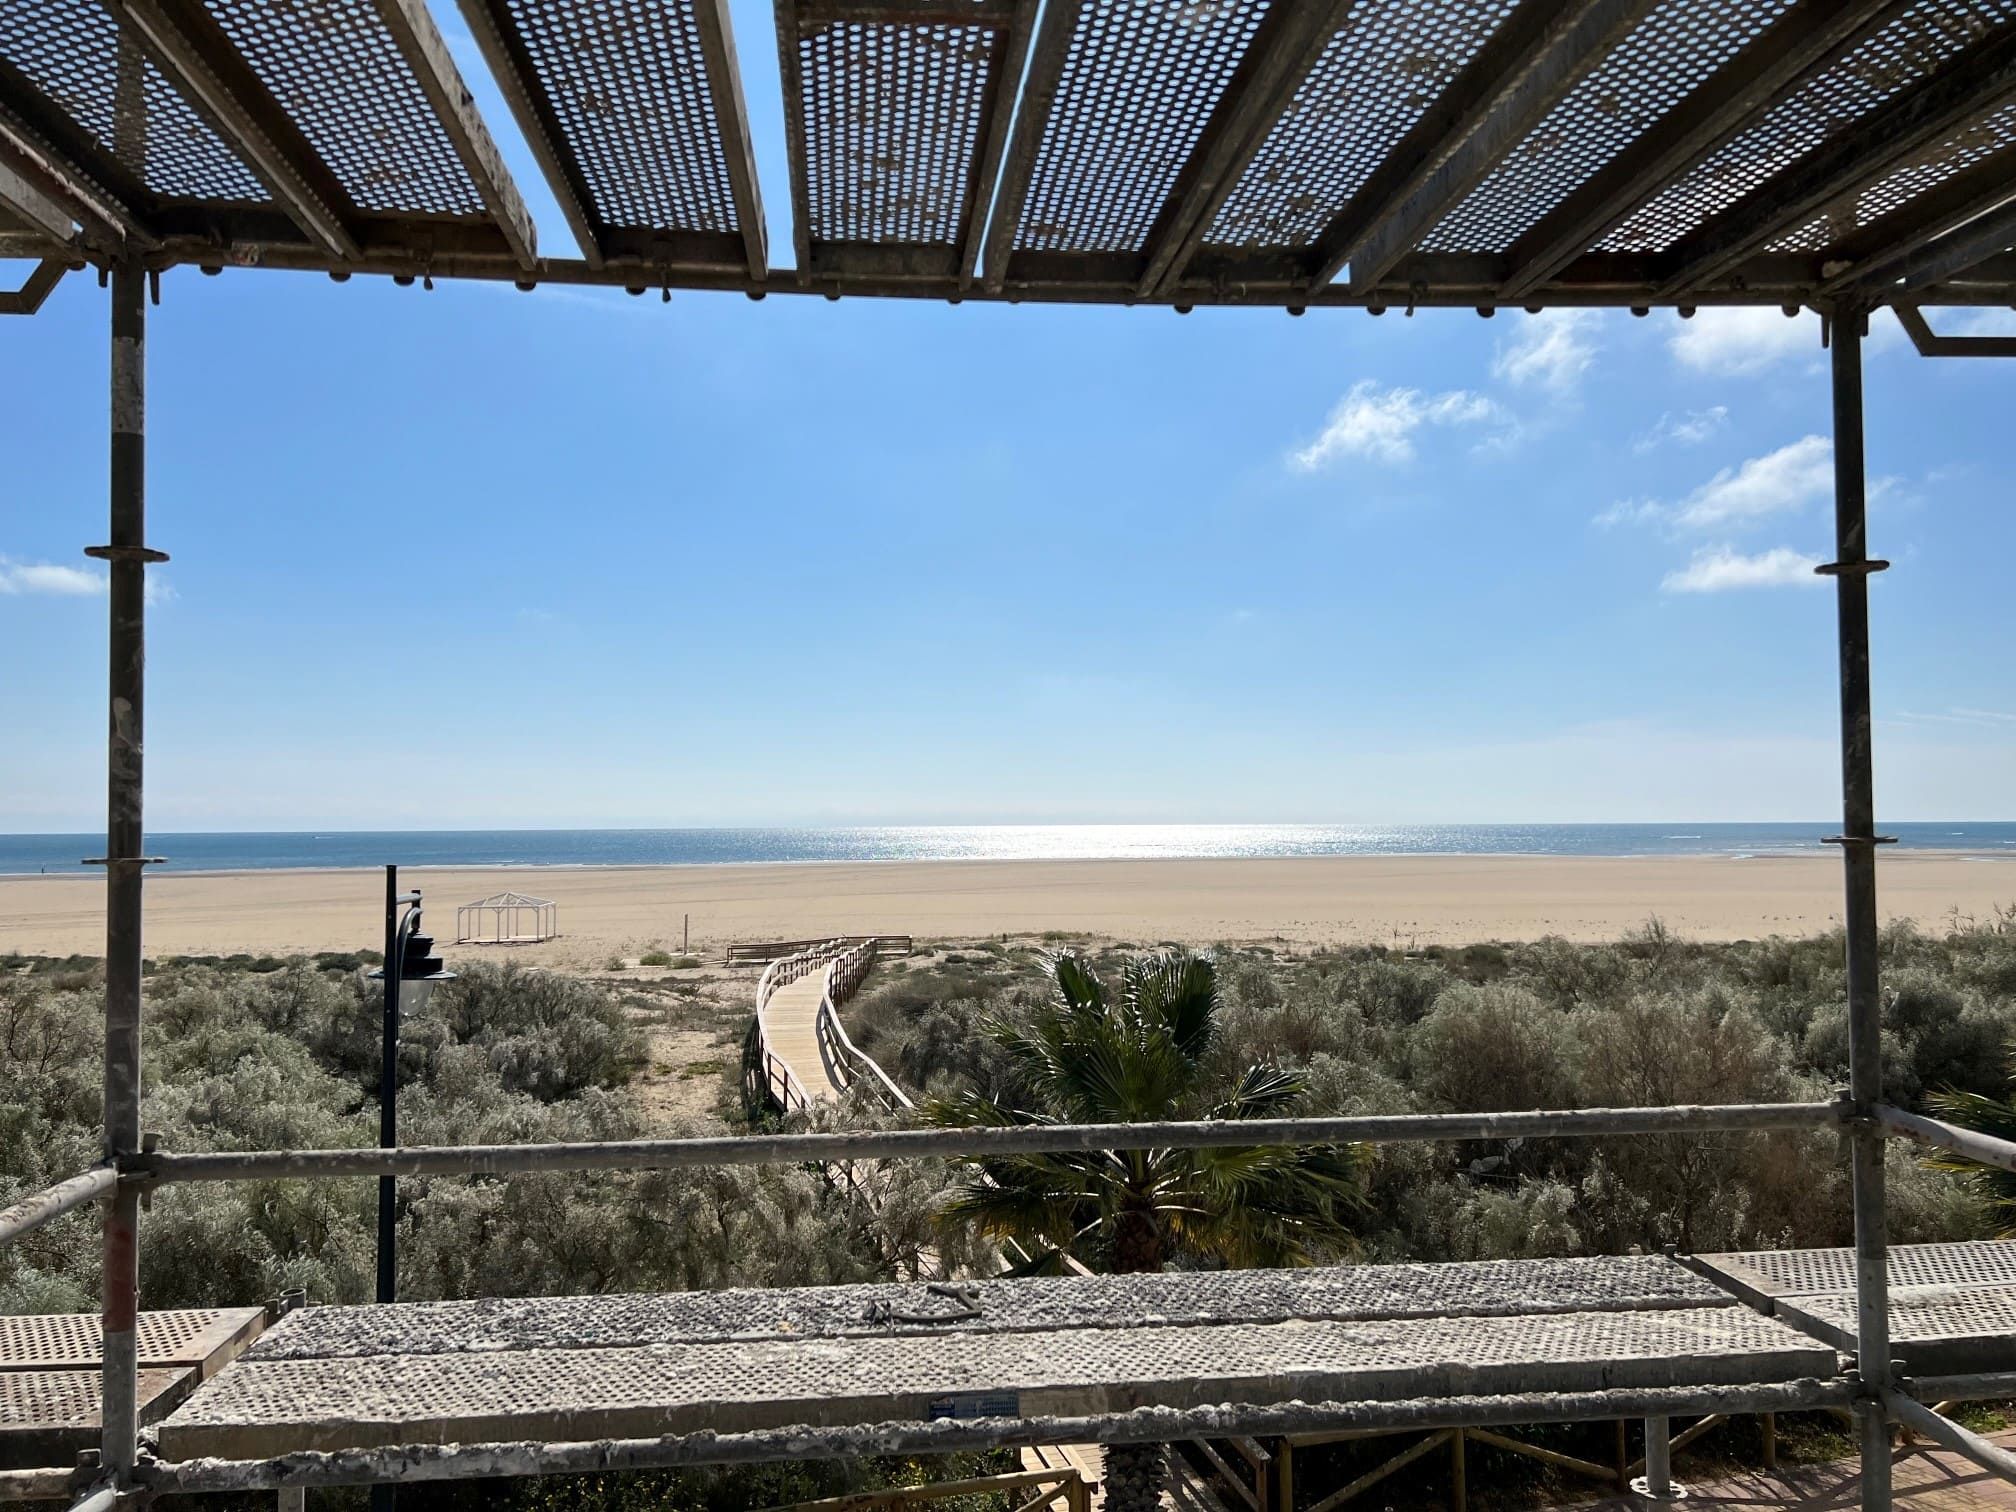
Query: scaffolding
(1722, 155)
(507, 918)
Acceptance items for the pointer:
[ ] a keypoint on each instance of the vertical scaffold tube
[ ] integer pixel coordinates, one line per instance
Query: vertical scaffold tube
(1851, 569)
(125, 685)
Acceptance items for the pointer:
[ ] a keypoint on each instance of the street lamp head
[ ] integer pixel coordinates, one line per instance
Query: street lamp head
(420, 970)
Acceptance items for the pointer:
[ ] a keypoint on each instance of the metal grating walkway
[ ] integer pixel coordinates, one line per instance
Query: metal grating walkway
(1952, 1306)
(266, 1407)
(1505, 1288)
(1456, 152)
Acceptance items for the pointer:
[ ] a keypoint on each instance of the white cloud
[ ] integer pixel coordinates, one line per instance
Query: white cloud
(1552, 350)
(1787, 479)
(1716, 569)
(1994, 321)
(1688, 428)
(46, 578)
(1631, 512)
(1980, 719)
(1379, 423)
(50, 580)
(1778, 482)
(1738, 343)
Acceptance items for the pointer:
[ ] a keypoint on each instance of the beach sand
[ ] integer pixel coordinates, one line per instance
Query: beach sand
(1392, 900)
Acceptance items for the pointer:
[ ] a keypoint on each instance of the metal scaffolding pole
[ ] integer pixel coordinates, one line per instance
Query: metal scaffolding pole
(1851, 569)
(125, 685)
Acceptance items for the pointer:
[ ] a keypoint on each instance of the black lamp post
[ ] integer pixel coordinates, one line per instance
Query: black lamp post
(410, 974)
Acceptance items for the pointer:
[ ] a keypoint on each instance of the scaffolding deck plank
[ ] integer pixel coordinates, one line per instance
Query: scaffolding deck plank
(49, 1417)
(1952, 1306)
(1934, 1330)
(1333, 1293)
(1233, 153)
(265, 1407)
(1811, 1272)
(203, 1338)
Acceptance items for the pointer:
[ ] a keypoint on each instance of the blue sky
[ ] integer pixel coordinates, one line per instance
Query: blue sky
(482, 558)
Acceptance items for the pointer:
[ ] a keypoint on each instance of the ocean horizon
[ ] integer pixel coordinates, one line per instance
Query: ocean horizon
(59, 854)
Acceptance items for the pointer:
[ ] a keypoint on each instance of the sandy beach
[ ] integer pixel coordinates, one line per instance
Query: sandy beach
(1396, 900)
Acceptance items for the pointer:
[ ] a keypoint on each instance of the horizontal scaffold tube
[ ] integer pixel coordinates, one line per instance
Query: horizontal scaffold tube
(1986, 1386)
(1971, 1143)
(57, 1485)
(434, 1462)
(1943, 1430)
(46, 1206)
(896, 1144)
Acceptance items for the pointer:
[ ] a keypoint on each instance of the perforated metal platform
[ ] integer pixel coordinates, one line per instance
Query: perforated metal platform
(48, 1417)
(1952, 1306)
(264, 1407)
(204, 1339)
(1503, 1288)
(1488, 152)
(49, 1373)
(1764, 1274)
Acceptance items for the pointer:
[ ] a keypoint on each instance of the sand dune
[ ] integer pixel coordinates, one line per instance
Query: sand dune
(1399, 900)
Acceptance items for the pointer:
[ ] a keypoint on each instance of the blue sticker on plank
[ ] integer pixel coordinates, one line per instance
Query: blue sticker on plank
(976, 1404)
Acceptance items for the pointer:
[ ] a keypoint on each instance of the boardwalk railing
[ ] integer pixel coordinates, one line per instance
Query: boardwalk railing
(762, 952)
(849, 1065)
(844, 962)
(776, 1077)
(843, 1064)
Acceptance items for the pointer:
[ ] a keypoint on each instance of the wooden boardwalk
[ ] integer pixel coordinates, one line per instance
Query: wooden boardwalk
(790, 1027)
(1926, 1480)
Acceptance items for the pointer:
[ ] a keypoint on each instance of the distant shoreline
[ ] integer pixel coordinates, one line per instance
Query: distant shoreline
(619, 912)
(91, 873)
(547, 851)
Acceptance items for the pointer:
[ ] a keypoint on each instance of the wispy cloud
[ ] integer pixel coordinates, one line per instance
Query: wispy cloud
(1631, 512)
(1979, 719)
(1380, 423)
(52, 580)
(1986, 322)
(1688, 428)
(1739, 343)
(1777, 483)
(1717, 569)
(1552, 351)
(49, 579)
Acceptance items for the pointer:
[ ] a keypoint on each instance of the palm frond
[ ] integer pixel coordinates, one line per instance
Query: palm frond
(1177, 993)
(1263, 1092)
(1077, 984)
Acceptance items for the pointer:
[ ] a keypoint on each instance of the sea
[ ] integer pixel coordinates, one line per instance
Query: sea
(327, 849)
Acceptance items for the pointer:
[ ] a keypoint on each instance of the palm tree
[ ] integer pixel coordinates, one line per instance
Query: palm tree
(1988, 1115)
(1087, 1056)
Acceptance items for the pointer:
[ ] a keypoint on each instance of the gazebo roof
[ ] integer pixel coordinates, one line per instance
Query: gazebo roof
(1366, 152)
(510, 900)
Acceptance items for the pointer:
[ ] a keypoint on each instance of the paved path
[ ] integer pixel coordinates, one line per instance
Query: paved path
(1925, 1481)
(790, 1029)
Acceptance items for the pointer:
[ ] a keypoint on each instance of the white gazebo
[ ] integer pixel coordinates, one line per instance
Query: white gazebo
(507, 918)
